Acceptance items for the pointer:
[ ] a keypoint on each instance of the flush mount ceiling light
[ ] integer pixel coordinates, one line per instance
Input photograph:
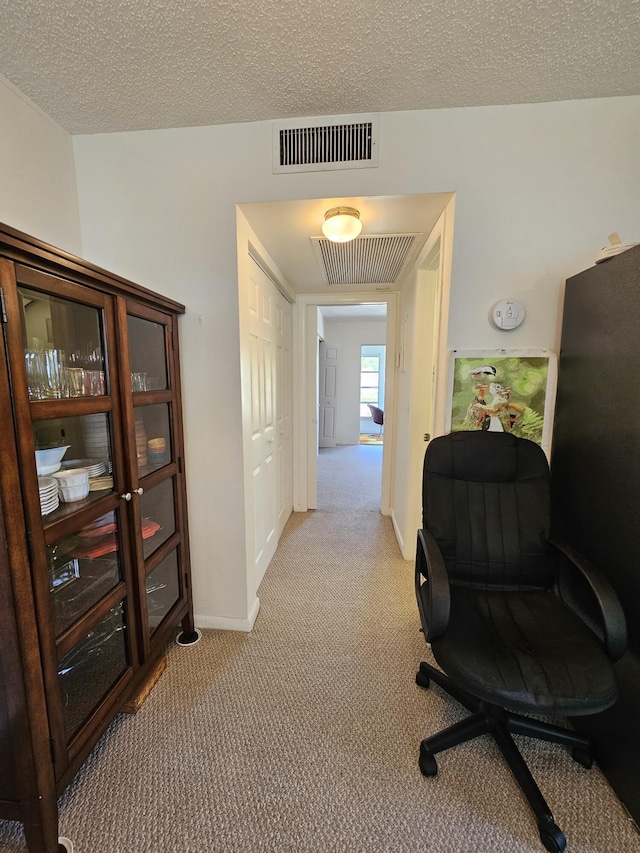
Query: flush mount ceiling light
(341, 224)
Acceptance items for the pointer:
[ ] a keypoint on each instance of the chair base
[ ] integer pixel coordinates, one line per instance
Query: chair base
(502, 724)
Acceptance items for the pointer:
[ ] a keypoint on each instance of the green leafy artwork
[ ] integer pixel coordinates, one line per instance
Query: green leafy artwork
(503, 394)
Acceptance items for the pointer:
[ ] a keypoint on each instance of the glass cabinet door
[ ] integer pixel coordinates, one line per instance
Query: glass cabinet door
(91, 668)
(153, 437)
(147, 352)
(163, 589)
(83, 567)
(62, 360)
(162, 575)
(158, 509)
(74, 461)
(63, 346)
(158, 466)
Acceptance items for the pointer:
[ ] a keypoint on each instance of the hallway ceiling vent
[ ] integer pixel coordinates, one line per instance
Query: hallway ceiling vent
(374, 259)
(314, 145)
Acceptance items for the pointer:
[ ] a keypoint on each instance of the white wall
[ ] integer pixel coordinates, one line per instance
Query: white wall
(402, 460)
(415, 399)
(37, 177)
(423, 355)
(538, 188)
(349, 336)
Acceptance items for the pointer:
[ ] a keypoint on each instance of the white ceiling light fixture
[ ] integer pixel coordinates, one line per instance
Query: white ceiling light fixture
(341, 224)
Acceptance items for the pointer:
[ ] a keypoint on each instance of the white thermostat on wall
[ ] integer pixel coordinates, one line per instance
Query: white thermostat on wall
(507, 314)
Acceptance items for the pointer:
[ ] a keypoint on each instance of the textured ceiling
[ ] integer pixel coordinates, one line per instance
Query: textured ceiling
(97, 66)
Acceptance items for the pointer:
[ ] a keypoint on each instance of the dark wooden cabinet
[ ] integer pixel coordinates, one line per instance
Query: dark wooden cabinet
(595, 471)
(94, 551)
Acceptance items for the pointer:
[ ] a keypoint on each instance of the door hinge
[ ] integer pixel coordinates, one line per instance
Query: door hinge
(3, 307)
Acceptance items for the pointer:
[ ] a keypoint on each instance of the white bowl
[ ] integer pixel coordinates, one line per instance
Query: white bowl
(48, 461)
(47, 469)
(72, 477)
(68, 494)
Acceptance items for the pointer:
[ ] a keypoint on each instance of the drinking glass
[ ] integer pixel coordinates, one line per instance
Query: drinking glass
(54, 363)
(75, 377)
(36, 377)
(138, 381)
(93, 383)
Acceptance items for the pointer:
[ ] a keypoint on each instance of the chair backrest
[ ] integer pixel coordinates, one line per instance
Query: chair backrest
(485, 499)
(377, 414)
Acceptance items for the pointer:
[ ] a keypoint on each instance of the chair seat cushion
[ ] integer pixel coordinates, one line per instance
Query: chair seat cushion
(524, 651)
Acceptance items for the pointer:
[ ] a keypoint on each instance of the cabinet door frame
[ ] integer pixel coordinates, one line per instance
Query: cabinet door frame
(42, 530)
(35, 804)
(150, 644)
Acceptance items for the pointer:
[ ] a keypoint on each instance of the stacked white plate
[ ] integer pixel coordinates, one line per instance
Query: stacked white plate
(96, 436)
(49, 499)
(95, 467)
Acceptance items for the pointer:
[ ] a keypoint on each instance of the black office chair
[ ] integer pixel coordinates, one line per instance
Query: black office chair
(517, 623)
(377, 416)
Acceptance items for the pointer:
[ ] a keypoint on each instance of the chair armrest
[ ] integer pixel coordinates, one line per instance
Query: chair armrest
(432, 587)
(609, 623)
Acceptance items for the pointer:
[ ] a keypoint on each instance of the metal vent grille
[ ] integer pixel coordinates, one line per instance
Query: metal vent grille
(311, 145)
(335, 144)
(376, 259)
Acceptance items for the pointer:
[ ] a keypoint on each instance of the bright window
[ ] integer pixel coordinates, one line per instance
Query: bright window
(369, 383)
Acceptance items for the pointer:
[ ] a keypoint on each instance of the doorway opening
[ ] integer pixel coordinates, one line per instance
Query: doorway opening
(351, 368)
(346, 323)
(372, 366)
(416, 312)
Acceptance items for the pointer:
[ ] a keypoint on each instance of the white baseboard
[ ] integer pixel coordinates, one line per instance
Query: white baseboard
(224, 623)
(405, 556)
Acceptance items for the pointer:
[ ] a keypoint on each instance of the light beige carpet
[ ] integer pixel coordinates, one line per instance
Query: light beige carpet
(304, 735)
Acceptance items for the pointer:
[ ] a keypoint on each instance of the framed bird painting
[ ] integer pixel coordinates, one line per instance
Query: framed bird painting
(503, 391)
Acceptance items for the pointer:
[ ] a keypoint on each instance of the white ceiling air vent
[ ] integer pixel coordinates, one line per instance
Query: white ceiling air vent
(374, 259)
(320, 144)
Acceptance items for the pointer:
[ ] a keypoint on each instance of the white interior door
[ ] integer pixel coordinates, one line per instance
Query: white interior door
(328, 376)
(270, 334)
(284, 409)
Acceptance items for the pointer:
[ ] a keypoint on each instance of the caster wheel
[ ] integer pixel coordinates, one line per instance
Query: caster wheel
(422, 680)
(427, 763)
(582, 756)
(553, 839)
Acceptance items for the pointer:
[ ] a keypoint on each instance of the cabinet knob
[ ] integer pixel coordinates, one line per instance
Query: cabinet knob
(126, 496)
(139, 491)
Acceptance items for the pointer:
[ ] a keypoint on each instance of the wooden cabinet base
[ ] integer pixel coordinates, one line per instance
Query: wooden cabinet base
(135, 702)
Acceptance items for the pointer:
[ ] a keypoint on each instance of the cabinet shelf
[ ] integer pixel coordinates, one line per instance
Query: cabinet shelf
(64, 510)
